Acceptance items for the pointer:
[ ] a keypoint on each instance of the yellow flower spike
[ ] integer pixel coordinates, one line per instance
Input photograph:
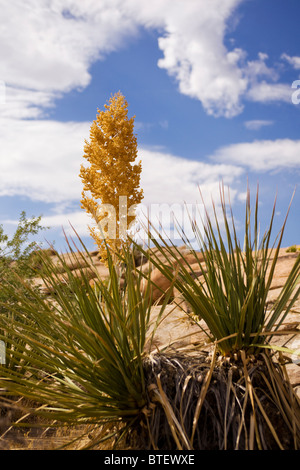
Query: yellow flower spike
(112, 179)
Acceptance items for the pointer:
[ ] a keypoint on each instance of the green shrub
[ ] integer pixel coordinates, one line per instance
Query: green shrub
(17, 262)
(291, 249)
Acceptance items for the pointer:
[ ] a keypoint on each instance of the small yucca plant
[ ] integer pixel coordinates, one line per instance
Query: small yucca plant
(231, 293)
(84, 346)
(245, 389)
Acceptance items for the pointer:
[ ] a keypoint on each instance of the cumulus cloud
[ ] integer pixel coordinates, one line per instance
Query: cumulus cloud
(258, 68)
(294, 61)
(21, 103)
(265, 92)
(47, 49)
(70, 220)
(261, 155)
(54, 42)
(45, 164)
(41, 159)
(263, 82)
(167, 178)
(194, 53)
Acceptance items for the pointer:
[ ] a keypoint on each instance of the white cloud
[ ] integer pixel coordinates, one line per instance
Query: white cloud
(44, 166)
(270, 92)
(69, 221)
(54, 42)
(261, 155)
(23, 104)
(194, 53)
(258, 68)
(48, 46)
(263, 85)
(41, 159)
(171, 179)
(172, 185)
(294, 61)
(257, 124)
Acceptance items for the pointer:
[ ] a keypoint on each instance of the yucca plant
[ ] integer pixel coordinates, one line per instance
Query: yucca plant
(84, 346)
(245, 400)
(231, 293)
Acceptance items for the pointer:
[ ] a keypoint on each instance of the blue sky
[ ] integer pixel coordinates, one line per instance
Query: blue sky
(210, 84)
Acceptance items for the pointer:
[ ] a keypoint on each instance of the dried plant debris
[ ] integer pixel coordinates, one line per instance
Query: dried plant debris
(206, 403)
